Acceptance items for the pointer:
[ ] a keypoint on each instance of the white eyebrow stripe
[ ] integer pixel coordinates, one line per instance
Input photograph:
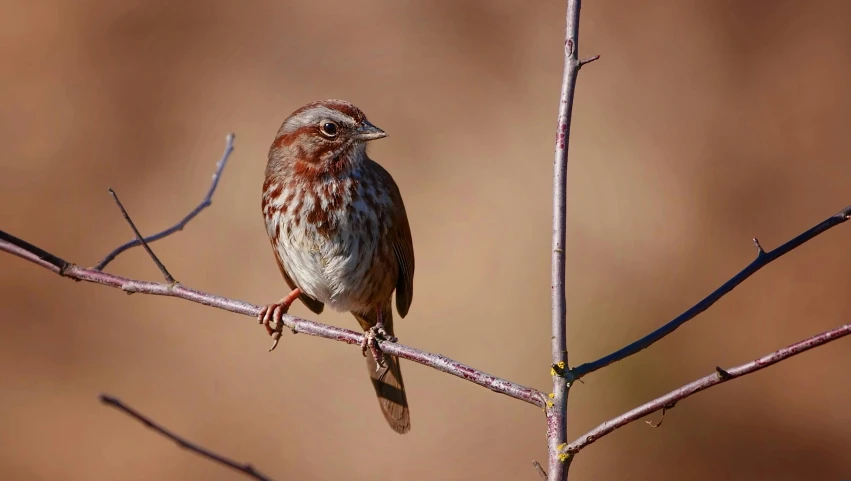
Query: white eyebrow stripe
(315, 115)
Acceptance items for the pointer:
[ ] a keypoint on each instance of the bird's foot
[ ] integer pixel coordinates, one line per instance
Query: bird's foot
(370, 341)
(273, 313)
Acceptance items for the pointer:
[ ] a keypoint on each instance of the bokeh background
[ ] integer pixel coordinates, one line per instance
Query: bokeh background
(706, 123)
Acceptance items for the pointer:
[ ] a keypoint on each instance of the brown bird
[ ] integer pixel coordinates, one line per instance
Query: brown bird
(340, 234)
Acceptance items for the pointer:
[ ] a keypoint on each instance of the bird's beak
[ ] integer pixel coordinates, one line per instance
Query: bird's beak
(367, 131)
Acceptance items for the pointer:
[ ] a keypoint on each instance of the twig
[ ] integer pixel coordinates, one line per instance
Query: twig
(588, 60)
(557, 408)
(539, 469)
(160, 266)
(665, 410)
(763, 258)
(244, 468)
(695, 387)
(25, 250)
(206, 202)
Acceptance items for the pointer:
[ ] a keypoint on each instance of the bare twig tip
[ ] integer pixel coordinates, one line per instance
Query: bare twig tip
(588, 60)
(540, 469)
(759, 249)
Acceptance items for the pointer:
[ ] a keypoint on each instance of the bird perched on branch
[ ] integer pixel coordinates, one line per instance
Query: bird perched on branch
(340, 234)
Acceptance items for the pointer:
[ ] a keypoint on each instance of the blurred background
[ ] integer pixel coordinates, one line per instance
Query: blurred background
(704, 124)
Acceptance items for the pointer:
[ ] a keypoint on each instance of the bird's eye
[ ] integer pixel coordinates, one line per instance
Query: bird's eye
(329, 129)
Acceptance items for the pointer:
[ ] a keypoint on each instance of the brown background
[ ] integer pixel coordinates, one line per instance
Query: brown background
(704, 124)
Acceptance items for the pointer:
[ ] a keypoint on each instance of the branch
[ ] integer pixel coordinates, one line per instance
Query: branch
(244, 468)
(667, 401)
(763, 258)
(539, 469)
(168, 277)
(557, 408)
(206, 202)
(27, 251)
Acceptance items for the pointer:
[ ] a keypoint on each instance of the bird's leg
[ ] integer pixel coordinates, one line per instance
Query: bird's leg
(371, 338)
(379, 329)
(274, 313)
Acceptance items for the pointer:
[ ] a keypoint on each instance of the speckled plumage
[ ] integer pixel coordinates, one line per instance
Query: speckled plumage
(339, 230)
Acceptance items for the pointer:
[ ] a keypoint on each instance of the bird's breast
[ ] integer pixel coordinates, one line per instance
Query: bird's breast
(327, 237)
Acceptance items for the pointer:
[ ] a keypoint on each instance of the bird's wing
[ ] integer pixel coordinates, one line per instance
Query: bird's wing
(401, 243)
(403, 247)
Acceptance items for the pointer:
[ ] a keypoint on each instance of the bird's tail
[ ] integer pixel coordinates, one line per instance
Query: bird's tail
(387, 380)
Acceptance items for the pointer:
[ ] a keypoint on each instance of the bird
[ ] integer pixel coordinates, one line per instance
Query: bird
(340, 235)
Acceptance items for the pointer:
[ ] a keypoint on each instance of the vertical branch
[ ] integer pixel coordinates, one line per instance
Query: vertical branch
(557, 410)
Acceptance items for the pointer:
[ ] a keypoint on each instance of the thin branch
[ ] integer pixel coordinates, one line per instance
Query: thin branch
(586, 61)
(557, 408)
(25, 250)
(37, 255)
(763, 258)
(206, 202)
(160, 266)
(539, 469)
(244, 468)
(718, 377)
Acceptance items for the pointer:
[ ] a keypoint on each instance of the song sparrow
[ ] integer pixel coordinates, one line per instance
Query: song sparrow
(340, 234)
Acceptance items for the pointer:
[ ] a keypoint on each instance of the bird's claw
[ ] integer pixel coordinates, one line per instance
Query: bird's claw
(370, 341)
(274, 313)
(271, 318)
